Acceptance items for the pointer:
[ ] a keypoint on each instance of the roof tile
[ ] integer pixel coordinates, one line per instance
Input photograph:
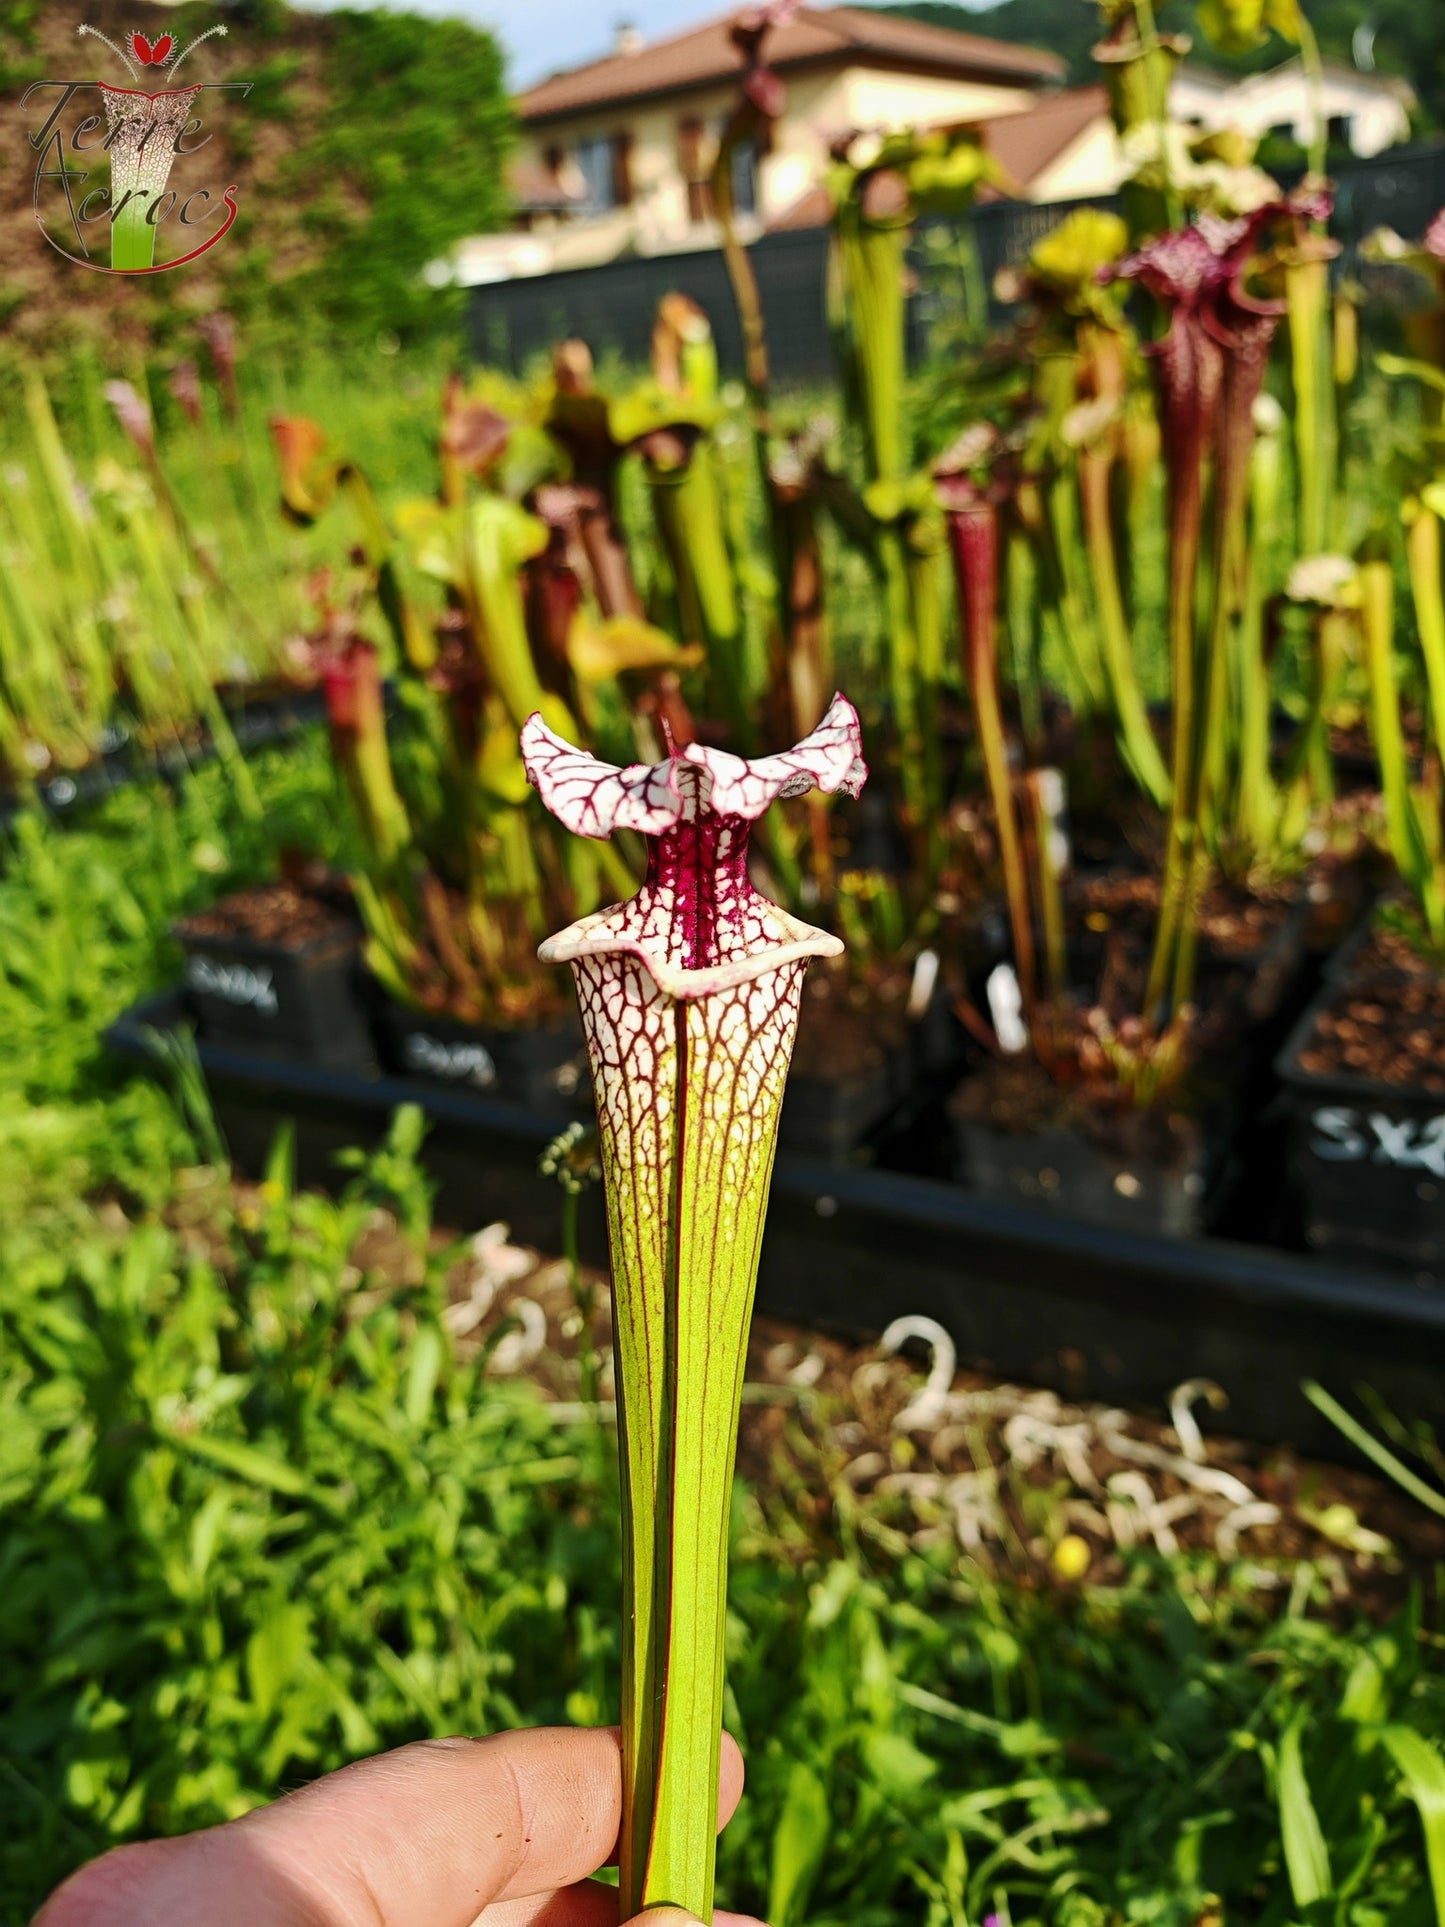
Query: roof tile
(706, 54)
(1024, 144)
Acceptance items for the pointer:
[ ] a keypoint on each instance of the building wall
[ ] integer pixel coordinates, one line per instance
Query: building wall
(659, 209)
(1091, 164)
(872, 97)
(821, 106)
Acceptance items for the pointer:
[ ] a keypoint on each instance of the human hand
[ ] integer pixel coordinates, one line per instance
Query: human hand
(500, 1832)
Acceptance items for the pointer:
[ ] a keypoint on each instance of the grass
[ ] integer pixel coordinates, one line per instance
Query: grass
(260, 1513)
(133, 585)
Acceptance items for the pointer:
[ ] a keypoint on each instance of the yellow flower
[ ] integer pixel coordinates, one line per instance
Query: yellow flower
(1068, 259)
(1072, 1557)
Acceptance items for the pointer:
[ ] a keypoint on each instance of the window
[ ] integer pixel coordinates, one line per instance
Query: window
(622, 170)
(605, 164)
(745, 177)
(692, 165)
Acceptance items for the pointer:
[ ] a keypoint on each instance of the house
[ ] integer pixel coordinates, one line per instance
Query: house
(615, 157)
(1366, 112)
(1064, 146)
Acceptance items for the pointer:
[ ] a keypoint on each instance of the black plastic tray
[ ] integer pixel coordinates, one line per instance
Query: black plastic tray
(256, 725)
(1356, 1198)
(1088, 1309)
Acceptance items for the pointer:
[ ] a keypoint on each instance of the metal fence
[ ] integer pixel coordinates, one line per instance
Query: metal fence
(612, 306)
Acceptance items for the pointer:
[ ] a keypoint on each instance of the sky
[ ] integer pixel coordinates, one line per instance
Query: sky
(542, 35)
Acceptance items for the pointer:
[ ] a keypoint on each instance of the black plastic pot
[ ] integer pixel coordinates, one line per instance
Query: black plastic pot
(301, 1002)
(1092, 1310)
(832, 1118)
(1365, 1160)
(544, 1067)
(1059, 1171)
(1203, 1174)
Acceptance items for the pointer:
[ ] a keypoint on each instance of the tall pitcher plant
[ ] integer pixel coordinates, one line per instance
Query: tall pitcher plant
(689, 995)
(1093, 464)
(1414, 812)
(1242, 27)
(880, 186)
(1210, 365)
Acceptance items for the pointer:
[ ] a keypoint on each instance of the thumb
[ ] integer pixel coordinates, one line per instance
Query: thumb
(680, 1917)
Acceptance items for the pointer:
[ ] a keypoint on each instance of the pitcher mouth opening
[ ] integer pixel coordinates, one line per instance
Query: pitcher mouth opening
(600, 936)
(139, 93)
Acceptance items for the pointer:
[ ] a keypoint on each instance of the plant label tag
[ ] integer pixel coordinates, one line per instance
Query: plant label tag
(925, 978)
(1005, 1007)
(1052, 793)
(463, 1062)
(245, 985)
(1346, 1136)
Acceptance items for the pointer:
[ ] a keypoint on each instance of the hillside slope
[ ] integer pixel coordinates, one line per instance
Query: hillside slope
(1405, 37)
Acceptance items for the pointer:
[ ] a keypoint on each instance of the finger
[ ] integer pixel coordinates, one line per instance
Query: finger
(422, 1837)
(591, 1905)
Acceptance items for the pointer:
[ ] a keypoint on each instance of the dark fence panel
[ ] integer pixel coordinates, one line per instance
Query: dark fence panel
(1403, 188)
(612, 306)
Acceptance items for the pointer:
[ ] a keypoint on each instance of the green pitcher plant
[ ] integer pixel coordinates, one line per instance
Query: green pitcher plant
(1210, 366)
(1083, 358)
(880, 186)
(689, 994)
(1414, 812)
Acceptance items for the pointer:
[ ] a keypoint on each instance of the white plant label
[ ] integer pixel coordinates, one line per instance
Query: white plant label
(1052, 793)
(1005, 1007)
(1346, 1136)
(925, 980)
(459, 1063)
(245, 985)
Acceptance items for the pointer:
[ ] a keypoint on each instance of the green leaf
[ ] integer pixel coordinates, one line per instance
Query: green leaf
(428, 1352)
(1373, 1449)
(275, 1653)
(281, 1161)
(247, 1462)
(1405, 366)
(1364, 1699)
(1306, 1856)
(1423, 1772)
(896, 1763)
(799, 1845)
